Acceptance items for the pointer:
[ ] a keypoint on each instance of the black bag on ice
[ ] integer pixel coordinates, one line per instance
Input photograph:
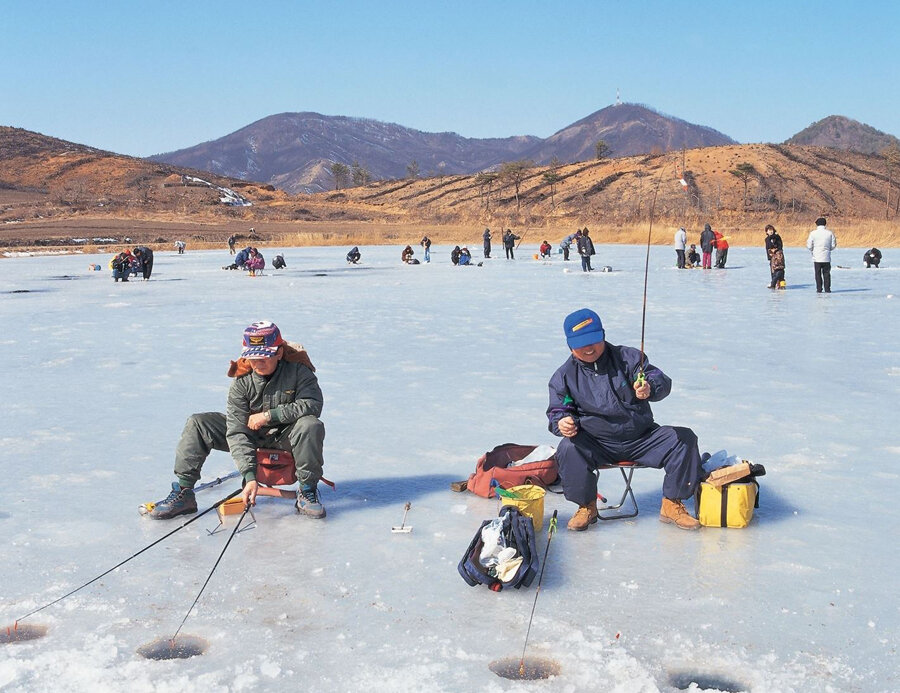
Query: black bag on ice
(516, 532)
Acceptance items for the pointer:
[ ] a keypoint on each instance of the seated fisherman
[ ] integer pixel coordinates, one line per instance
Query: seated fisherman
(274, 402)
(600, 406)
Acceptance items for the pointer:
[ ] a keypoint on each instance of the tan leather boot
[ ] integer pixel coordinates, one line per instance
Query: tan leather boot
(674, 512)
(584, 517)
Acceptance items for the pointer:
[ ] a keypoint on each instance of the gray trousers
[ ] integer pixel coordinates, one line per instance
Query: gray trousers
(205, 432)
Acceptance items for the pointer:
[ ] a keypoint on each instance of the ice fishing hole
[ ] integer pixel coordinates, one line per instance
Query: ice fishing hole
(682, 680)
(182, 647)
(535, 668)
(21, 633)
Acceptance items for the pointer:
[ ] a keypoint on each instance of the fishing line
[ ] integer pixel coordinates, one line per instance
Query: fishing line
(135, 555)
(233, 532)
(550, 532)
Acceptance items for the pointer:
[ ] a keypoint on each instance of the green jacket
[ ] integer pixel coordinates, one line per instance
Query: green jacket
(290, 392)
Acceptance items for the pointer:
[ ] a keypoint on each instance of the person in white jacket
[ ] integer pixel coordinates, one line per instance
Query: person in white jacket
(680, 243)
(820, 243)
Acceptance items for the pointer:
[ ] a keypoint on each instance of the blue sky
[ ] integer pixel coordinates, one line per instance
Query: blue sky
(144, 78)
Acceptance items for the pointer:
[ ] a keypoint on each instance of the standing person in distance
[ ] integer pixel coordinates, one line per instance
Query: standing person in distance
(566, 244)
(426, 244)
(820, 243)
(144, 256)
(585, 250)
(680, 243)
(773, 243)
(509, 244)
(707, 243)
(232, 239)
(486, 238)
(721, 244)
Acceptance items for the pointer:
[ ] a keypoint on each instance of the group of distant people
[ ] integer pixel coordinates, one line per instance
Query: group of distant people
(130, 262)
(821, 242)
(584, 246)
(253, 262)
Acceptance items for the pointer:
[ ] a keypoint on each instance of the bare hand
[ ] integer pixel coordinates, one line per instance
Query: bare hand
(249, 493)
(642, 390)
(567, 426)
(257, 421)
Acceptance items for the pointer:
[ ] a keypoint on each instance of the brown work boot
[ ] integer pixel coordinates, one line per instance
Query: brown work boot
(584, 517)
(674, 512)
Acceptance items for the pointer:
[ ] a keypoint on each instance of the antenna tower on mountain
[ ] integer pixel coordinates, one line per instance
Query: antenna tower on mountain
(618, 100)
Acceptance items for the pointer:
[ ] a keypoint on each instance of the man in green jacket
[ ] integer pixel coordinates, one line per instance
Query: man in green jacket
(274, 402)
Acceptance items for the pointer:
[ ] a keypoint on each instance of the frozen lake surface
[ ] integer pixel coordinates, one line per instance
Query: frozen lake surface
(424, 368)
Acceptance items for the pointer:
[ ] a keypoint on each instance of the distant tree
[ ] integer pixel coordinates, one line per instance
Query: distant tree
(744, 171)
(412, 169)
(514, 172)
(485, 179)
(601, 150)
(341, 174)
(359, 174)
(552, 177)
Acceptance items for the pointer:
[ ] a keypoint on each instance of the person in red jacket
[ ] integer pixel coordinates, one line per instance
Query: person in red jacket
(721, 250)
(545, 249)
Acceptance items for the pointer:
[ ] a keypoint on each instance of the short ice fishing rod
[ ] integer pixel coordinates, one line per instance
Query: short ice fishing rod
(135, 555)
(641, 378)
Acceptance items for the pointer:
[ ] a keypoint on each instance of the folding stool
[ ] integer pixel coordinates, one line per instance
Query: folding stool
(616, 512)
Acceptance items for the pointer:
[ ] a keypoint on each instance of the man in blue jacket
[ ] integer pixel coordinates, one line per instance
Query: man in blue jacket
(600, 406)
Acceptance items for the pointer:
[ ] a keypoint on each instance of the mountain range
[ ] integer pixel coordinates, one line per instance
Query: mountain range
(50, 187)
(294, 151)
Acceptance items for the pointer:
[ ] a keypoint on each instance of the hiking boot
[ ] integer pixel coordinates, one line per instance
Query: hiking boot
(180, 502)
(308, 502)
(673, 512)
(584, 517)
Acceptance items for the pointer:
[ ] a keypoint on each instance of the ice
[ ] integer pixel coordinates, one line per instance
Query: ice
(424, 368)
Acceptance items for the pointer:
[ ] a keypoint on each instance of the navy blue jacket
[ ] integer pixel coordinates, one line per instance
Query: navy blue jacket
(241, 258)
(600, 395)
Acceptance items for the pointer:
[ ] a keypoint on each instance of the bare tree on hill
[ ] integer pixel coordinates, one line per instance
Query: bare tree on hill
(514, 172)
(341, 175)
(744, 171)
(601, 150)
(359, 174)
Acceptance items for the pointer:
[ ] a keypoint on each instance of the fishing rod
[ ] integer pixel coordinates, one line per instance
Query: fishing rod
(233, 532)
(550, 532)
(135, 555)
(641, 378)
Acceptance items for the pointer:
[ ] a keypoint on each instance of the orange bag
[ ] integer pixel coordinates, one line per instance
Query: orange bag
(495, 465)
(275, 467)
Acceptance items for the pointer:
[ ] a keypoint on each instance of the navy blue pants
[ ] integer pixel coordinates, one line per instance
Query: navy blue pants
(672, 448)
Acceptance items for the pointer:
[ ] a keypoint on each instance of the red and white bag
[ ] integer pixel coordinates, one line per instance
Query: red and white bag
(499, 464)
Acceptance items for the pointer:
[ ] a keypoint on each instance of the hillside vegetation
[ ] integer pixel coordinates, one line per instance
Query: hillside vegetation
(51, 190)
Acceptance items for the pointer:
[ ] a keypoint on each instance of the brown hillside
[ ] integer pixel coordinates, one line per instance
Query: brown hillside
(51, 191)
